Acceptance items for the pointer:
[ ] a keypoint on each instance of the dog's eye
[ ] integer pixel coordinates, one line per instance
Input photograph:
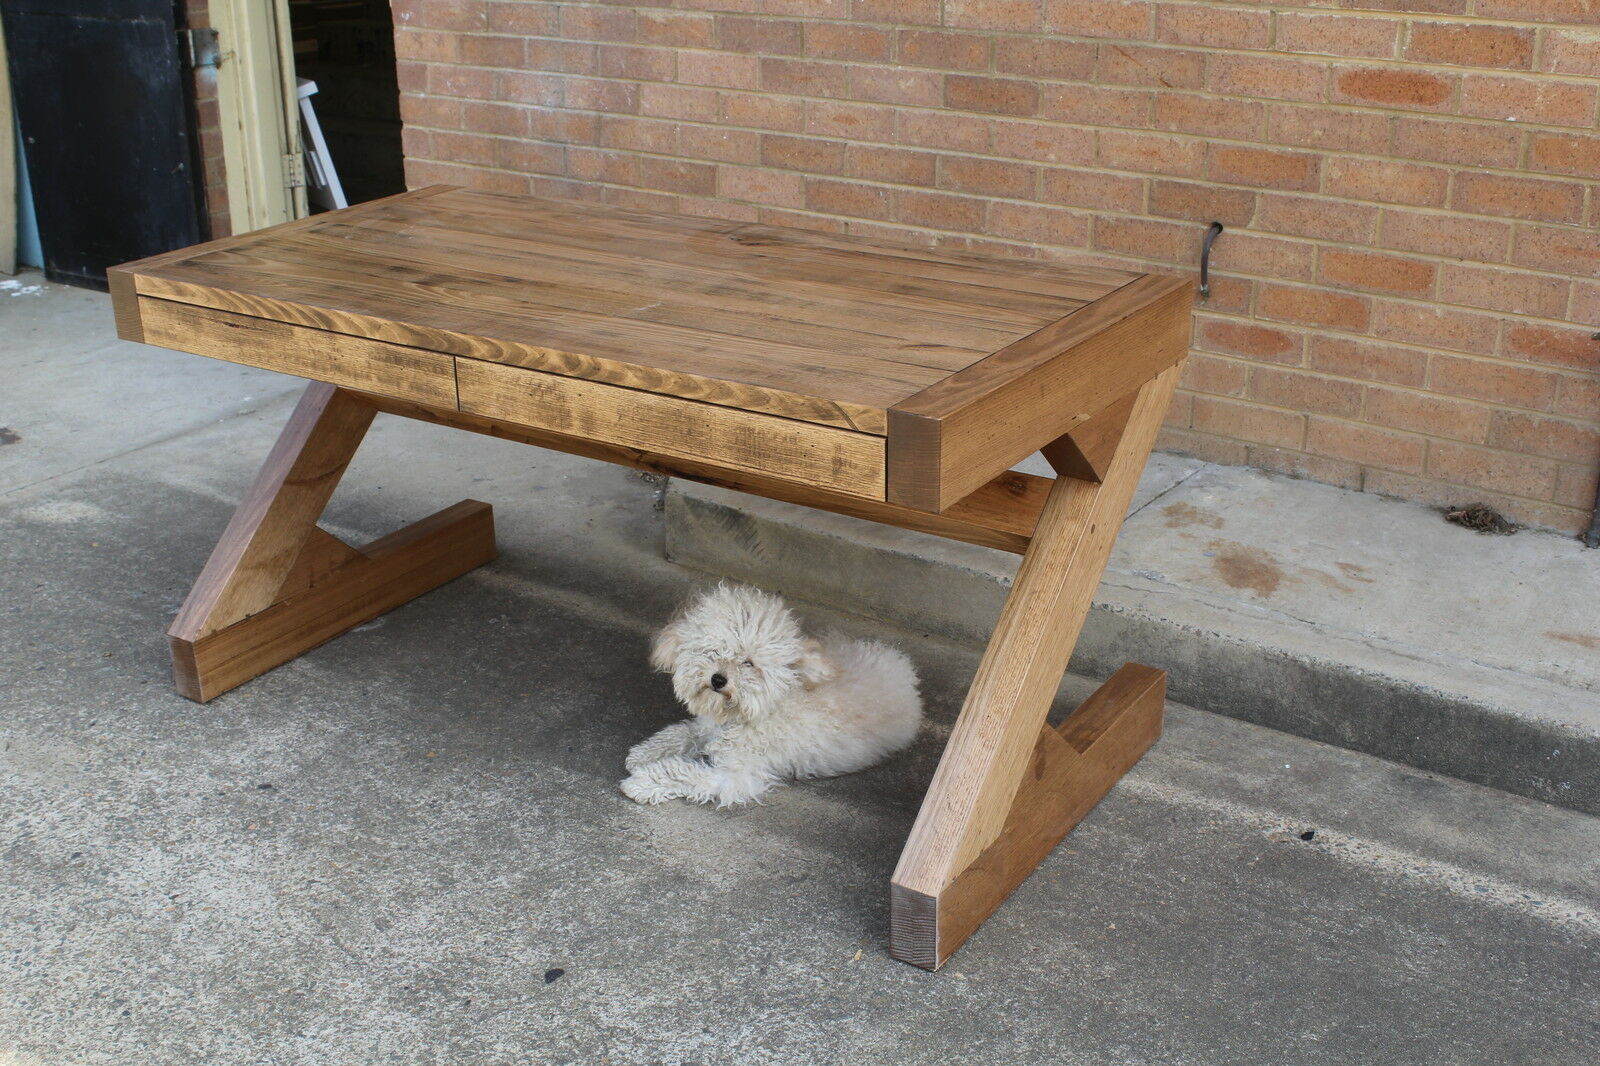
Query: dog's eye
(747, 662)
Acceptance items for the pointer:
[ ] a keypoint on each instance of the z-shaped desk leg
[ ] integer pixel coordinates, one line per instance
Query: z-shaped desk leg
(1010, 786)
(278, 585)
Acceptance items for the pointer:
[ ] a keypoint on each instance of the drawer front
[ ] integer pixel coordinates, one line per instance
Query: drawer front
(802, 452)
(337, 358)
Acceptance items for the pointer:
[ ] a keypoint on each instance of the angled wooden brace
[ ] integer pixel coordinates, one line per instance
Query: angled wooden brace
(278, 585)
(1009, 786)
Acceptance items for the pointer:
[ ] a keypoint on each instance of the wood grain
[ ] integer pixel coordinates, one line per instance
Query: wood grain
(802, 452)
(385, 574)
(970, 798)
(334, 358)
(1085, 451)
(946, 441)
(1072, 768)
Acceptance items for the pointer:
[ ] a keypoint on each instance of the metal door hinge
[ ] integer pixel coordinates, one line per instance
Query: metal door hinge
(204, 51)
(294, 170)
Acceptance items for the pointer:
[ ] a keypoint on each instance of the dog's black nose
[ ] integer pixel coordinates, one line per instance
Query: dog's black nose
(718, 682)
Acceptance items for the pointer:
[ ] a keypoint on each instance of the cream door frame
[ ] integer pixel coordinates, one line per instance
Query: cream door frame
(261, 150)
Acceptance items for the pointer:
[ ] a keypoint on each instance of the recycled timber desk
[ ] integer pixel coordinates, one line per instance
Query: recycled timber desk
(891, 384)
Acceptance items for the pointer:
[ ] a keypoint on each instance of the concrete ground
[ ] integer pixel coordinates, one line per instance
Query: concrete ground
(408, 846)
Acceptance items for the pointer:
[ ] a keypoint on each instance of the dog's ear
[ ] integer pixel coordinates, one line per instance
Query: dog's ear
(664, 652)
(814, 665)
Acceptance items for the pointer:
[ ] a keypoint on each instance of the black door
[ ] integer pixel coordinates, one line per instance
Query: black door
(101, 98)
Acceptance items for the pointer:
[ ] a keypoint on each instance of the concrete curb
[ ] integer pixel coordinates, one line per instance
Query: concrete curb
(1523, 734)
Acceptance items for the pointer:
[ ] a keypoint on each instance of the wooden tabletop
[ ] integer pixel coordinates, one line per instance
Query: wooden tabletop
(949, 367)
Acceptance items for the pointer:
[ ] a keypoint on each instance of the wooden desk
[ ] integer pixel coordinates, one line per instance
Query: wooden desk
(891, 384)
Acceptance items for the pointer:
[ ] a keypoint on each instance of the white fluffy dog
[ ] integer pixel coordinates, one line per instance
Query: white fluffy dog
(768, 703)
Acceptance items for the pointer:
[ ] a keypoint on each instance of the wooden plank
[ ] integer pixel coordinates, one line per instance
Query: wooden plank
(842, 461)
(335, 358)
(1085, 451)
(125, 304)
(951, 437)
(389, 572)
(1001, 514)
(1071, 770)
(271, 525)
(970, 798)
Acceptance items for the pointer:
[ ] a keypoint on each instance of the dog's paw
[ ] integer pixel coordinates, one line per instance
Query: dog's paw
(643, 790)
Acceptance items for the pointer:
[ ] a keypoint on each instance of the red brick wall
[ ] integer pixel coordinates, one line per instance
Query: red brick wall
(208, 123)
(1405, 295)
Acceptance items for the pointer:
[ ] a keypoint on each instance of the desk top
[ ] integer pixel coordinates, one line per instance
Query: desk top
(953, 358)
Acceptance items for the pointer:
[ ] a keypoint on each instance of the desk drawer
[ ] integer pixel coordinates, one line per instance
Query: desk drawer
(803, 452)
(337, 358)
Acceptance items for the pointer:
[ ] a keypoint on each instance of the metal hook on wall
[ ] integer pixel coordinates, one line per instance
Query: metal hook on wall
(1212, 233)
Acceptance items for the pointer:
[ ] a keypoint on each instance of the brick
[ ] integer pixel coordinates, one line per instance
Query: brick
(1042, 142)
(1143, 238)
(1499, 289)
(1497, 383)
(1557, 248)
(468, 15)
(1470, 45)
(714, 144)
(1302, 216)
(596, 23)
(1565, 153)
(563, 127)
(427, 47)
(1366, 445)
(1198, 202)
(856, 122)
(1386, 181)
(526, 19)
(1309, 393)
(834, 40)
(479, 50)
(1265, 167)
(1178, 411)
(1123, 19)
(473, 83)
(1094, 105)
(1299, 464)
(1393, 87)
(1575, 486)
(1210, 26)
(594, 94)
(939, 211)
(1574, 11)
(1338, 129)
(1156, 153)
(1538, 199)
(1014, 16)
(1517, 475)
(1574, 349)
(1377, 273)
(1440, 327)
(441, 112)
(1451, 235)
(892, 85)
(1554, 103)
(530, 157)
(1245, 421)
(802, 153)
(674, 101)
(1250, 253)
(1045, 57)
(848, 198)
(798, 77)
(760, 36)
(1165, 68)
(1571, 52)
(1368, 361)
(898, 12)
(762, 112)
(1435, 416)
(1095, 191)
(1586, 301)
(723, 70)
(1477, 144)
(639, 134)
(1219, 377)
(773, 187)
(995, 96)
(1527, 434)
(1248, 339)
(675, 29)
(1338, 35)
(901, 165)
(1040, 225)
(988, 177)
(1208, 116)
(1315, 307)
(944, 51)
(678, 175)
(960, 133)
(639, 64)
(1267, 77)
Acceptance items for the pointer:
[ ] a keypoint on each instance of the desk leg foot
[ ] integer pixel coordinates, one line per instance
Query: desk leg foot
(1009, 787)
(278, 585)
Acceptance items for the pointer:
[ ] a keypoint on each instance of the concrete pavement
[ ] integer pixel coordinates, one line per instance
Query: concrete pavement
(408, 845)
